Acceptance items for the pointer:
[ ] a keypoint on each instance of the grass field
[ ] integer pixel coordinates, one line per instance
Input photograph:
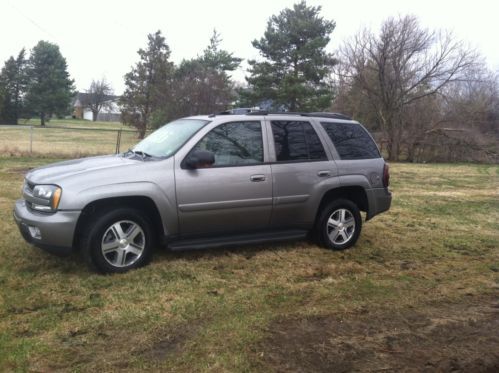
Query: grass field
(65, 137)
(419, 292)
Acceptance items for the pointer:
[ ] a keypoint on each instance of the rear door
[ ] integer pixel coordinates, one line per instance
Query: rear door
(301, 166)
(235, 194)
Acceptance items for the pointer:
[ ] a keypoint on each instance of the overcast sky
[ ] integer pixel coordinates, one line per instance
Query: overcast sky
(101, 38)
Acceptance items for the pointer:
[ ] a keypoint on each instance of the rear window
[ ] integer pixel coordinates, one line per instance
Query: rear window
(351, 140)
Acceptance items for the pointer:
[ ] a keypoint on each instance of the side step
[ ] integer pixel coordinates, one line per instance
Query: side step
(234, 240)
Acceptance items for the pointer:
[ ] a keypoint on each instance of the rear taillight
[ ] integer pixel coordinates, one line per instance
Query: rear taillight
(386, 175)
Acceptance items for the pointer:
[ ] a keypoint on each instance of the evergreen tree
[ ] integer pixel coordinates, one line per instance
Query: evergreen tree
(13, 81)
(148, 85)
(217, 58)
(2, 97)
(203, 84)
(296, 68)
(50, 88)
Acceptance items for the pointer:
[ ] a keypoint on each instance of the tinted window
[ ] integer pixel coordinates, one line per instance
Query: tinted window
(233, 144)
(351, 140)
(296, 141)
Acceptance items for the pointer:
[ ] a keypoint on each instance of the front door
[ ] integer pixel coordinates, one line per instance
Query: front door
(234, 195)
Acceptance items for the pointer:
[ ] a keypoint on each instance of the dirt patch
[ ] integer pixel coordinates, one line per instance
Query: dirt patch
(447, 337)
(170, 342)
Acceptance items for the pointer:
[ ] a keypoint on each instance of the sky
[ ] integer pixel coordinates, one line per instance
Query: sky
(100, 39)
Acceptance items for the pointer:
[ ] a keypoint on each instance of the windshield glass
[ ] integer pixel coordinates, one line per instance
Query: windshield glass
(169, 138)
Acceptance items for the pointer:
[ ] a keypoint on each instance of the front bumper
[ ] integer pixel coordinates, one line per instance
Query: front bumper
(380, 200)
(57, 230)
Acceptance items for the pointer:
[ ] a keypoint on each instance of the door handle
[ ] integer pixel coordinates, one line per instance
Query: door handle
(257, 178)
(324, 173)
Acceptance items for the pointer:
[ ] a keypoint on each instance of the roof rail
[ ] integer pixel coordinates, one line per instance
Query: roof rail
(320, 114)
(266, 112)
(314, 114)
(234, 111)
(226, 112)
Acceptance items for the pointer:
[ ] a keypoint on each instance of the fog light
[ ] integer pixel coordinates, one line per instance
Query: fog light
(35, 232)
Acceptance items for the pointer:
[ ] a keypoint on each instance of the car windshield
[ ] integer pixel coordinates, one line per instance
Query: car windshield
(168, 139)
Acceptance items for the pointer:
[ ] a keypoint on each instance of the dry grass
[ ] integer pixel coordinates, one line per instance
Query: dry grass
(211, 310)
(65, 138)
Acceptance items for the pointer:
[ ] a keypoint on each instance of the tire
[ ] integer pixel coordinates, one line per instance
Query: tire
(339, 225)
(117, 241)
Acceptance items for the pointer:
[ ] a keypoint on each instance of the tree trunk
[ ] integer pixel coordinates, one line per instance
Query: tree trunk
(393, 148)
(95, 113)
(141, 130)
(411, 152)
(16, 112)
(42, 119)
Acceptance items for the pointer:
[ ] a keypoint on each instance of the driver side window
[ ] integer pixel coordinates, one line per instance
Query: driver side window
(234, 144)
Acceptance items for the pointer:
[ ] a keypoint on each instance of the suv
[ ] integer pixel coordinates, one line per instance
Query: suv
(207, 181)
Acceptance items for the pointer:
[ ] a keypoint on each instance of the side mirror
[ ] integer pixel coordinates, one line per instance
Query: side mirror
(200, 159)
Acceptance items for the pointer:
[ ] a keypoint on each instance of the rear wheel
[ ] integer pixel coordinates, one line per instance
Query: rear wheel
(118, 240)
(339, 225)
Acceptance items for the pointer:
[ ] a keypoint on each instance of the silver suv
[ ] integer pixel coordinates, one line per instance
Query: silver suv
(208, 181)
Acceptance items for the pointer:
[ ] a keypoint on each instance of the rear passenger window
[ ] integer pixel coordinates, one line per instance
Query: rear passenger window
(351, 140)
(295, 141)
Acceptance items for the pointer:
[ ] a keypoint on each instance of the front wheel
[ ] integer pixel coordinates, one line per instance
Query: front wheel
(118, 240)
(339, 225)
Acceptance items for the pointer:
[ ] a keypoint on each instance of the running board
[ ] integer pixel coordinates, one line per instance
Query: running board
(234, 240)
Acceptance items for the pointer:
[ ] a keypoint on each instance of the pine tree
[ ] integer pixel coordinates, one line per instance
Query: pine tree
(219, 59)
(148, 85)
(13, 81)
(295, 69)
(50, 88)
(203, 84)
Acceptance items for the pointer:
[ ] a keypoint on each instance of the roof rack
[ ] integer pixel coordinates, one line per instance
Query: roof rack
(235, 111)
(266, 112)
(320, 114)
(226, 112)
(313, 115)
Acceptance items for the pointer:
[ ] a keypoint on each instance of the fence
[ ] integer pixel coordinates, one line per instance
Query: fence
(64, 141)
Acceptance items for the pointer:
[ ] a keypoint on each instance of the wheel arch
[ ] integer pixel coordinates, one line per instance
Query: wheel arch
(142, 203)
(355, 193)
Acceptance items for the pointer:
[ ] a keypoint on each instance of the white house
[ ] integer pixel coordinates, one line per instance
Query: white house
(111, 112)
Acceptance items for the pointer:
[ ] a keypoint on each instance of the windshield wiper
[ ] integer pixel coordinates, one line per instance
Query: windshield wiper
(142, 154)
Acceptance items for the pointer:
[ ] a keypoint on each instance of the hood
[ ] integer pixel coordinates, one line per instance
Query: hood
(57, 173)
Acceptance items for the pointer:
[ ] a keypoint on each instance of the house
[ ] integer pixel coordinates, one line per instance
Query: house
(110, 112)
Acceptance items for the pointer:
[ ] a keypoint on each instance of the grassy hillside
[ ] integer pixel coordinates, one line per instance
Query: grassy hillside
(419, 291)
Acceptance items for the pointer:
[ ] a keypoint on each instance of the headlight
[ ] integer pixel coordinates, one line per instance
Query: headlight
(49, 193)
(44, 191)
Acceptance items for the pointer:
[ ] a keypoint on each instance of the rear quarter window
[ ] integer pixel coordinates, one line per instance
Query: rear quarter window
(351, 140)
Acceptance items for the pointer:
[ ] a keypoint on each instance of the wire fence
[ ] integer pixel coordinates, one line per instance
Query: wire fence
(22, 140)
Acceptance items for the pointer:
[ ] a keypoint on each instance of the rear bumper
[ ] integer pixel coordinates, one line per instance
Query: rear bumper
(56, 230)
(380, 200)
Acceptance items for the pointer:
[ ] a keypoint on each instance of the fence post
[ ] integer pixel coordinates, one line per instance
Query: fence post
(30, 140)
(118, 141)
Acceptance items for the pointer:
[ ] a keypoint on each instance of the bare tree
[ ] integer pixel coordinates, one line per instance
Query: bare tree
(99, 96)
(401, 66)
